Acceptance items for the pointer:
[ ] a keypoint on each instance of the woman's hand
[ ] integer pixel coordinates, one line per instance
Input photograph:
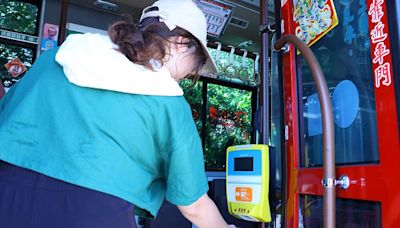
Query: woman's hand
(204, 214)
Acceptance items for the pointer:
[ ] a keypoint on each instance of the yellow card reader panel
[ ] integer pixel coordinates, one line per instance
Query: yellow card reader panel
(247, 182)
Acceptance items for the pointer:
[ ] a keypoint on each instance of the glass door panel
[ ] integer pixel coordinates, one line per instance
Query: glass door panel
(345, 58)
(349, 213)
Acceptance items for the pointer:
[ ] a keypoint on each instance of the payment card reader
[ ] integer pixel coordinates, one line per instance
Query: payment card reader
(247, 182)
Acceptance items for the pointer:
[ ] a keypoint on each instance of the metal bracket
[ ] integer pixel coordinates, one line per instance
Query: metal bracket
(266, 28)
(328, 182)
(285, 48)
(343, 182)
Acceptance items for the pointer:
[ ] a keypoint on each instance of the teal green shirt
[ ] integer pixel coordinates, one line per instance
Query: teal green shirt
(139, 148)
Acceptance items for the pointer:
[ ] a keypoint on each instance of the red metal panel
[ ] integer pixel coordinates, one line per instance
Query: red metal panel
(291, 119)
(368, 182)
(383, 181)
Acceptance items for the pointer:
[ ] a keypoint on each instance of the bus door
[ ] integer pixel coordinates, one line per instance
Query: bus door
(358, 60)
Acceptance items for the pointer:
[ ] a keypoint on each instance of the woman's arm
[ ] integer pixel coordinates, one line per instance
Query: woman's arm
(204, 213)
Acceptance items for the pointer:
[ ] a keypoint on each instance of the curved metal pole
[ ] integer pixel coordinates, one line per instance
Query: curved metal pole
(327, 126)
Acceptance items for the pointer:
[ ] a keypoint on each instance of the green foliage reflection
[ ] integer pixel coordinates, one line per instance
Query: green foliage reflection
(18, 16)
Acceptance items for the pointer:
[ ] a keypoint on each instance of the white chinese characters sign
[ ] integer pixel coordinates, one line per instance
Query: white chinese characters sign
(380, 43)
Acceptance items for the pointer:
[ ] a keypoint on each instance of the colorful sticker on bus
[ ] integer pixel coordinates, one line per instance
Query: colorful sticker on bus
(313, 19)
(15, 67)
(49, 37)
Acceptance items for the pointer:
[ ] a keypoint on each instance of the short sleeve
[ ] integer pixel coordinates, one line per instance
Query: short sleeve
(185, 174)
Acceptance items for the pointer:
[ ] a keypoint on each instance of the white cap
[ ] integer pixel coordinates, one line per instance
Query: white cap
(186, 15)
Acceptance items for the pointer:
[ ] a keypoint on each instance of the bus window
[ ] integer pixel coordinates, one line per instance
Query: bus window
(228, 122)
(227, 118)
(193, 95)
(19, 16)
(19, 25)
(9, 52)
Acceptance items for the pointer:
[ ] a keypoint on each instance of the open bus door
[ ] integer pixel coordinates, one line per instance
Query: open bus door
(359, 59)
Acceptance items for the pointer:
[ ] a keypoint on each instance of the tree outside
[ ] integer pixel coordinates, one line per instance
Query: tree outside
(193, 96)
(18, 16)
(228, 122)
(228, 119)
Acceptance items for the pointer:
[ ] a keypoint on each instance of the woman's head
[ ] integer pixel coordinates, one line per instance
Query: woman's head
(171, 33)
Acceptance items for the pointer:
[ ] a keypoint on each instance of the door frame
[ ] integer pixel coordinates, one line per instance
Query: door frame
(367, 182)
